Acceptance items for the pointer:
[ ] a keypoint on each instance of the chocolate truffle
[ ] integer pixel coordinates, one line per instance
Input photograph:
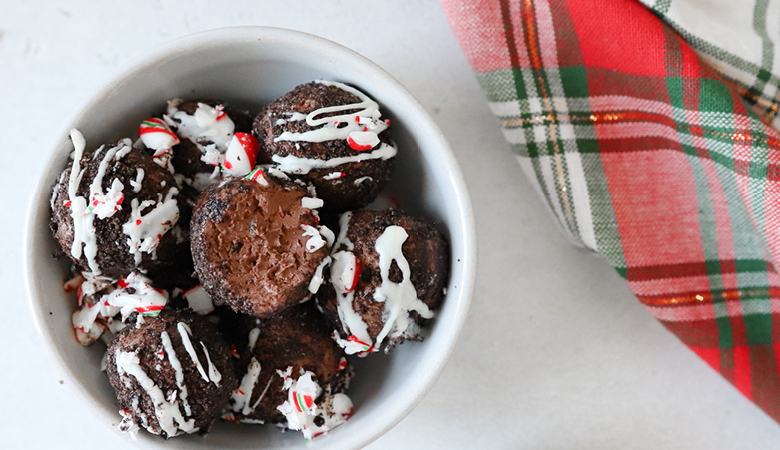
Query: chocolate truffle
(256, 244)
(388, 274)
(331, 135)
(172, 374)
(117, 205)
(298, 339)
(206, 129)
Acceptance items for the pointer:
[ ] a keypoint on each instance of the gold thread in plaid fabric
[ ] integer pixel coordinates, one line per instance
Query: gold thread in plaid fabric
(561, 176)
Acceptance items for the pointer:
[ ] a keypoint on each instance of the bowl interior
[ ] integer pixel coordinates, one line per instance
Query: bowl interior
(250, 67)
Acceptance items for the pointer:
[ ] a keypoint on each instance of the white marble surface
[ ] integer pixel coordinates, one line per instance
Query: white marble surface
(556, 353)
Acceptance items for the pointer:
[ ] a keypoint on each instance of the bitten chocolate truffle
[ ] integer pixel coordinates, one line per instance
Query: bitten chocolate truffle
(331, 135)
(388, 274)
(256, 244)
(172, 374)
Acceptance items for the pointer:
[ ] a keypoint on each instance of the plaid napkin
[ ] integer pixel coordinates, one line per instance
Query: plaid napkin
(647, 155)
(737, 39)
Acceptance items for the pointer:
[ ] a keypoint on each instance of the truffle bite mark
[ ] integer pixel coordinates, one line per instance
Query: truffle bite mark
(256, 245)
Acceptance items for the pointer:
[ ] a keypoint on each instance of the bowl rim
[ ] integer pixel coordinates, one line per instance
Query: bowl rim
(227, 35)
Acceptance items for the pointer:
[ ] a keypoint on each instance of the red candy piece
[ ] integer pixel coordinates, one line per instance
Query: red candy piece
(356, 276)
(250, 145)
(355, 146)
(221, 114)
(353, 338)
(154, 125)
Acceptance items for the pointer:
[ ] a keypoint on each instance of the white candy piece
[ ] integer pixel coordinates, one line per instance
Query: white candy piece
(158, 140)
(237, 162)
(312, 203)
(199, 300)
(343, 271)
(335, 409)
(333, 176)
(315, 241)
(300, 409)
(363, 139)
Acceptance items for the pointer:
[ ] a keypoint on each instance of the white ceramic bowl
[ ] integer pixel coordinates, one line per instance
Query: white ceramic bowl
(249, 67)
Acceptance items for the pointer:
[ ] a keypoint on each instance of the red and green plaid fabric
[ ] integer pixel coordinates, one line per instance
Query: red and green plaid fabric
(649, 157)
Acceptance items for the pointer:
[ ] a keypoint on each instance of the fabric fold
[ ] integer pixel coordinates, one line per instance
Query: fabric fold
(647, 155)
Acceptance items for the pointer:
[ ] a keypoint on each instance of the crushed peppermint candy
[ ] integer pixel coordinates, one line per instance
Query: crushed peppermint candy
(257, 175)
(199, 300)
(312, 203)
(241, 155)
(334, 176)
(315, 241)
(135, 293)
(301, 411)
(105, 205)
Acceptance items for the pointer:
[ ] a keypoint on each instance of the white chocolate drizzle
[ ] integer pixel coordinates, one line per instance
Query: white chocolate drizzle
(207, 124)
(399, 298)
(168, 414)
(318, 279)
(214, 374)
(341, 126)
(343, 227)
(292, 117)
(145, 231)
(241, 396)
(137, 183)
(100, 204)
(350, 320)
(176, 364)
(360, 180)
(253, 335)
(301, 166)
(184, 331)
(326, 233)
